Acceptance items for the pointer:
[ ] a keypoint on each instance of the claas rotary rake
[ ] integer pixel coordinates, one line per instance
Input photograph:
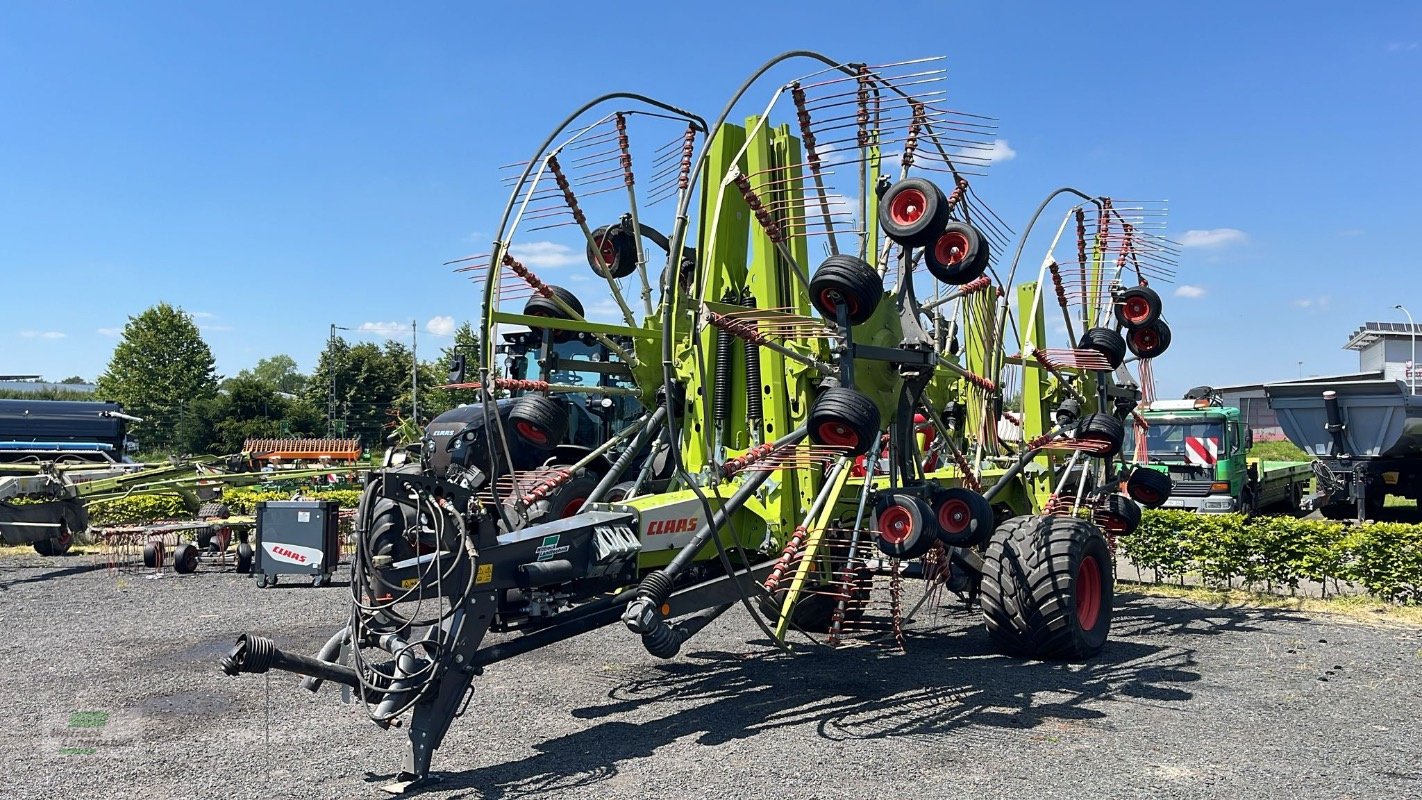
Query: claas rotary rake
(824, 380)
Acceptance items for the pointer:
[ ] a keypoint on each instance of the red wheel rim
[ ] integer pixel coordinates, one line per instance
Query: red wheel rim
(837, 434)
(1112, 522)
(831, 298)
(608, 249)
(1145, 494)
(574, 506)
(1136, 310)
(1088, 593)
(531, 432)
(907, 207)
(954, 516)
(895, 525)
(951, 249)
(1145, 340)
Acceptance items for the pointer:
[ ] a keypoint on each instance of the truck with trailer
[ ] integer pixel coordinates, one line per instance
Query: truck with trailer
(1365, 437)
(1203, 445)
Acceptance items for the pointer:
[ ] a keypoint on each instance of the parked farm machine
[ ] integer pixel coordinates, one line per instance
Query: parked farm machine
(897, 412)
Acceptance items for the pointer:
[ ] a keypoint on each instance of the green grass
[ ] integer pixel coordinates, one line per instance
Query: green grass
(1277, 451)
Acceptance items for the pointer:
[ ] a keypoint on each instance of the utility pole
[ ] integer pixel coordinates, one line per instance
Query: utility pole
(1411, 367)
(415, 371)
(331, 404)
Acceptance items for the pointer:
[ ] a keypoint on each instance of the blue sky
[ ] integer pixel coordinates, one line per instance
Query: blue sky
(278, 167)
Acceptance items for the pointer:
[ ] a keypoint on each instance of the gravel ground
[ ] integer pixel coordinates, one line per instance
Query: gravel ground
(115, 692)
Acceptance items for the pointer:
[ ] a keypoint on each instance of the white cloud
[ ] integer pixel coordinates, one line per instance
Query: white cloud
(110, 332)
(545, 255)
(383, 328)
(1315, 303)
(1213, 238)
(441, 326)
(201, 314)
(1398, 47)
(42, 334)
(999, 150)
(1186, 290)
(829, 154)
(214, 328)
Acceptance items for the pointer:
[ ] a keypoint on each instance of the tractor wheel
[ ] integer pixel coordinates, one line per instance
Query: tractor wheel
(1139, 307)
(905, 525)
(965, 518)
(1117, 515)
(913, 212)
(540, 306)
(1103, 432)
(1151, 341)
(849, 280)
(539, 421)
(185, 558)
(1047, 588)
(244, 558)
(57, 545)
(959, 255)
(153, 555)
(618, 492)
(814, 611)
(1105, 341)
(617, 248)
(845, 418)
(1149, 487)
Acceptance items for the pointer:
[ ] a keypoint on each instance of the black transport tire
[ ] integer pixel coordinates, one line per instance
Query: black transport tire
(850, 280)
(1117, 514)
(618, 492)
(538, 421)
(1139, 306)
(845, 418)
(1105, 432)
(1105, 341)
(964, 517)
(1047, 588)
(1151, 341)
(959, 255)
(905, 525)
(244, 558)
(185, 558)
(56, 545)
(153, 555)
(913, 212)
(1149, 487)
(617, 248)
(540, 306)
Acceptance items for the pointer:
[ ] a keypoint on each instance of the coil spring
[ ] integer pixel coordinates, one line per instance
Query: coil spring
(754, 409)
(721, 382)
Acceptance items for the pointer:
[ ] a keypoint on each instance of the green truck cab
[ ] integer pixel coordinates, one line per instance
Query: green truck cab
(1204, 445)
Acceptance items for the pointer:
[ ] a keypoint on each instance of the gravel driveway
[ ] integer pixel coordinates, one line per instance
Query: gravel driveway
(114, 691)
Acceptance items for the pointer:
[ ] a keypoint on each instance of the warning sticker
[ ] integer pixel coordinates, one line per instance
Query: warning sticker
(303, 516)
(485, 574)
(409, 583)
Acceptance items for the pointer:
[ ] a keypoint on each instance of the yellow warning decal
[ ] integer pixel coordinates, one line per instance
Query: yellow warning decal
(485, 574)
(409, 583)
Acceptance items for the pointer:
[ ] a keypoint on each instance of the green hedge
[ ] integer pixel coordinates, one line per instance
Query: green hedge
(143, 509)
(1279, 552)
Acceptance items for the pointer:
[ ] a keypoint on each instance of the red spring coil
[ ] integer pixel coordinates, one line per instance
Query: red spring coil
(688, 145)
(980, 382)
(626, 158)
(956, 196)
(527, 275)
(861, 116)
(911, 141)
(762, 214)
(1057, 284)
(807, 136)
(737, 328)
(567, 190)
(1041, 441)
(772, 581)
(734, 465)
(970, 479)
(546, 487)
(1046, 362)
(976, 285)
(1081, 241)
